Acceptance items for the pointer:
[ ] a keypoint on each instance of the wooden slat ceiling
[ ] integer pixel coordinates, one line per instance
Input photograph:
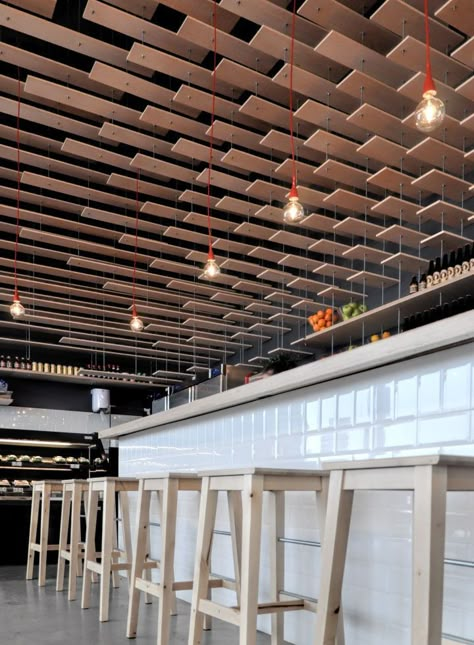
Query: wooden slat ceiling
(125, 88)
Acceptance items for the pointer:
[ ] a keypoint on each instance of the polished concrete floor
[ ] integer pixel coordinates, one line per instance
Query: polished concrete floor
(30, 615)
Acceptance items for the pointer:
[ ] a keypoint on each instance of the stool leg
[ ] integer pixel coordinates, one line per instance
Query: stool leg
(63, 531)
(168, 536)
(89, 556)
(127, 540)
(108, 530)
(44, 532)
(333, 556)
(75, 539)
(234, 501)
(94, 576)
(35, 504)
(429, 528)
(252, 497)
(322, 505)
(206, 522)
(115, 557)
(147, 573)
(277, 564)
(139, 558)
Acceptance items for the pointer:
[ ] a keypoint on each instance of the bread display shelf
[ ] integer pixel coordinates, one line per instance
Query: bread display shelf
(389, 315)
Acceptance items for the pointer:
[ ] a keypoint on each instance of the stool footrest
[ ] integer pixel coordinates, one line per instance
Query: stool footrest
(38, 549)
(228, 614)
(151, 564)
(96, 567)
(117, 566)
(148, 587)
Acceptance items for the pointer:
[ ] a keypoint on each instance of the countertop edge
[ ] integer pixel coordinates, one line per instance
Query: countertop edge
(405, 346)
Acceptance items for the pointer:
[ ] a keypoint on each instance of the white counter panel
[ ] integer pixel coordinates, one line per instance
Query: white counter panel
(420, 405)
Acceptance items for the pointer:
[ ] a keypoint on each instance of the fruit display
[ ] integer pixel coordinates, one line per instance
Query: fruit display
(36, 459)
(352, 309)
(375, 337)
(24, 458)
(83, 460)
(323, 318)
(59, 460)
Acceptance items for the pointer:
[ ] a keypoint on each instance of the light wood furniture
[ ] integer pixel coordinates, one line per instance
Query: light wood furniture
(167, 486)
(40, 507)
(75, 491)
(430, 478)
(110, 488)
(249, 484)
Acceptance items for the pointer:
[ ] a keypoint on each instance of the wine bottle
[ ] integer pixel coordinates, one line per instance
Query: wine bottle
(28, 364)
(3, 362)
(444, 268)
(466, 259)
(429, 275)
(16, 363)
(22, 363)
(413, 288)
(437, 271)
(458, 265)
(452, 264)
(9, 363)
(422, 283)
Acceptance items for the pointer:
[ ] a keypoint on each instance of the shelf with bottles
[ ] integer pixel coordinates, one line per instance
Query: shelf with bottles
(391, 315)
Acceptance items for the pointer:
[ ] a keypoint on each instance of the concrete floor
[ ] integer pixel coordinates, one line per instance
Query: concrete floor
(30, 615)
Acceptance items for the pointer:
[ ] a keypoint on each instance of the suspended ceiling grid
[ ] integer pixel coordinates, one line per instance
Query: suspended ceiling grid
(109, 89)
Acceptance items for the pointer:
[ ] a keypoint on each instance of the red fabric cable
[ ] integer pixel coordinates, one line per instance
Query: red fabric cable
(18, 180)
(292, 57)
(429, 83)
(134, 310)
(211, 136)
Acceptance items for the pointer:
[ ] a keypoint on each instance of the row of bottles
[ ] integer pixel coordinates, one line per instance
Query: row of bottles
(17, 363)
(22, 363)
(445, 268)
(446, 310)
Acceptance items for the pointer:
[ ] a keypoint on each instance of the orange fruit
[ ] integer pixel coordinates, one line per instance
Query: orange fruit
(320, 314)
(328, 323)
(328, 316)
(329, 310)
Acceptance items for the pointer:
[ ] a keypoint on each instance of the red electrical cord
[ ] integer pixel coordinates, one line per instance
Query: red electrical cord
(429, 85)
(18, 180)
(293, 192)
(134, 309)
(211, 136)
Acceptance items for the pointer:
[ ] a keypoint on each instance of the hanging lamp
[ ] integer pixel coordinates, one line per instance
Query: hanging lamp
(16, 308)
(293, 211)
(211, 268)
(136, 323)
(430, 112)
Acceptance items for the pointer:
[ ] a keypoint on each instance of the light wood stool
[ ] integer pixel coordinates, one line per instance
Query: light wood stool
(41, 497)
(75, 491)
(167, 487)
(109, 488)
(429, 477)
(249, 484)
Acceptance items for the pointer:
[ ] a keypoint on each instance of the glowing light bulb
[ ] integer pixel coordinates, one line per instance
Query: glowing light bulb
(430, 112)
(136, 324)
(211, 269)
(293, 211)
(16, 308)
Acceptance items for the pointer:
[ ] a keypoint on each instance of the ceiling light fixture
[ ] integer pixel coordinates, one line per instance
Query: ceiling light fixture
(430, 112)
(211, 268)
(136, 323)
(294, 210)
(16, 308)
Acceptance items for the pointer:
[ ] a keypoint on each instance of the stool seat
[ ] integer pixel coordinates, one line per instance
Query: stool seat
(41, 496)
(110, 563)
(429, 477)
(249, 484)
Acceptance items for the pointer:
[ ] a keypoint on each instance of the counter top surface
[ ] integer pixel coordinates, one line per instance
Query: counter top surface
(424, 340)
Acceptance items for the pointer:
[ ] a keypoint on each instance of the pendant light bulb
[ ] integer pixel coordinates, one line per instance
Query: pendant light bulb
(211, 268)
(293, 213)
(16, 308)
(430, 112)
(136, 323)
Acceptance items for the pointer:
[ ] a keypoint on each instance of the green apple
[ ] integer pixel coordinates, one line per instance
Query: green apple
(347, 310)
(363, 308)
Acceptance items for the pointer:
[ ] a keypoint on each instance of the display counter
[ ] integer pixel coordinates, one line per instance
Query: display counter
(410, 393)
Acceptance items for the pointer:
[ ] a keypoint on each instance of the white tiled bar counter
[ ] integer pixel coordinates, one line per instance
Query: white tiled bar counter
(407, 394)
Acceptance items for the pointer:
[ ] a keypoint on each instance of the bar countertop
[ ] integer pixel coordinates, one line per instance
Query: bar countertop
(431, 338)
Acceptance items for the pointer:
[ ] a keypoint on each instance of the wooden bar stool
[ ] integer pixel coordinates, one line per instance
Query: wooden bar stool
(167, 486)
(75, 491)
(109, 488)
(249, 484)
(40, 503)
(429, 477)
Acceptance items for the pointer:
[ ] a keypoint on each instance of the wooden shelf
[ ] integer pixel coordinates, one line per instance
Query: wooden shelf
(406, 262)
(372, 279)
(449, 241)
(334, 271)
(397, 208)
(269, 328)
(289, 351)
(386, 316)
(358, 227)
(366, 253)
(402, 235)
(340, 294)
(444, 212)
(440, 183)
(119, 380)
